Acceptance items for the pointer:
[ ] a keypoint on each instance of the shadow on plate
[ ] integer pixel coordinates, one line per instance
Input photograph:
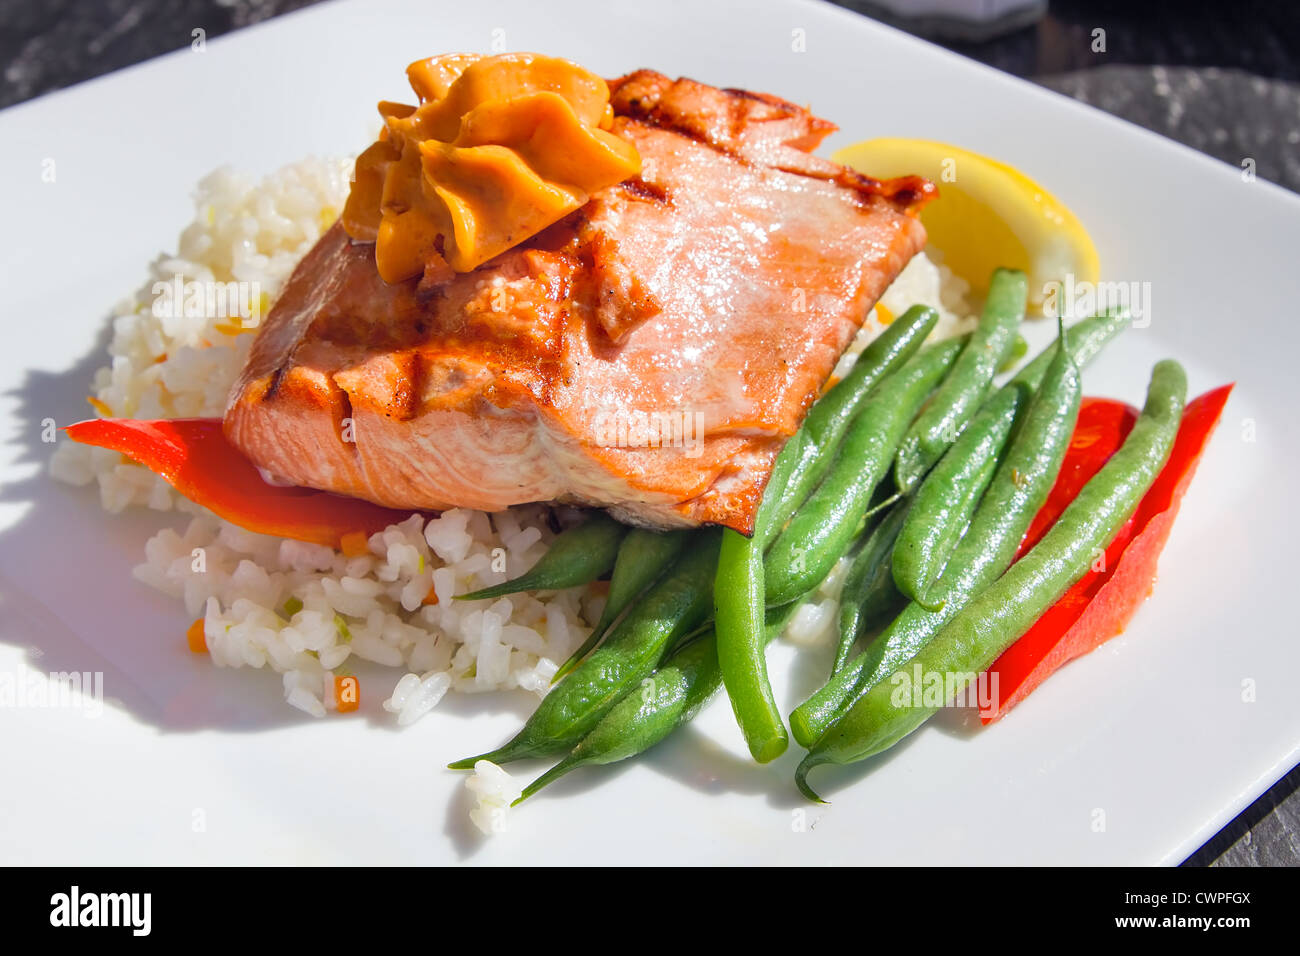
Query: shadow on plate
(66, 572)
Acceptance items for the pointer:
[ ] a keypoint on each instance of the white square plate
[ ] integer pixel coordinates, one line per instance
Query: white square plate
(188, 763)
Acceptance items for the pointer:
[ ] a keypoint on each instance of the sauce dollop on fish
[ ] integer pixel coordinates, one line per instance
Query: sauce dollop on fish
(499, 148)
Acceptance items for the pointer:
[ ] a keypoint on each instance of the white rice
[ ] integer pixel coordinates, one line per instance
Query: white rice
(307, 611)
(494, 791)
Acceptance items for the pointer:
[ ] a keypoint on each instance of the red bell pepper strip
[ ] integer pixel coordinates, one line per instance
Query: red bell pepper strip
(196, 458)
(1100, 605)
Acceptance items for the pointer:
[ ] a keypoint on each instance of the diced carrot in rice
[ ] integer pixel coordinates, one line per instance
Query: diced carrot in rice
(195, 639)
(354, 544)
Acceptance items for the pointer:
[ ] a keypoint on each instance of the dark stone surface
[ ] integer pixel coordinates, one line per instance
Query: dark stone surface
(49, 44)
(1229, 114)
(1256, 36)
(1223, 78)
(1267, 833)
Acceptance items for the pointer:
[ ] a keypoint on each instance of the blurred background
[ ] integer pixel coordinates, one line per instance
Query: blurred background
(1221, 76)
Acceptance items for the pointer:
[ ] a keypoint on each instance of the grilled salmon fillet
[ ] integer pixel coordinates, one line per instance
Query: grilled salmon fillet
(649, 354)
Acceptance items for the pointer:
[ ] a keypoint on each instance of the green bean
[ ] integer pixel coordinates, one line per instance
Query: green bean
(965, 387)
(578, 555)
(738, 622)
(643, 556)
(806, 457)
(868, 591)
(950, 493)
(995, 619)
(673, 607)
(668, 699)
(1019, 488)
(804, 553)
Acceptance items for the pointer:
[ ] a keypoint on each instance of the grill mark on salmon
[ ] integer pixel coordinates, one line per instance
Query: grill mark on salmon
(673, 294)
(638, 188)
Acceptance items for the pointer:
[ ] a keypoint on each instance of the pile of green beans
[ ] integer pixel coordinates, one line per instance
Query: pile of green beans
(974, 638)
(1017, 491)
(948, 495)
(932, 519)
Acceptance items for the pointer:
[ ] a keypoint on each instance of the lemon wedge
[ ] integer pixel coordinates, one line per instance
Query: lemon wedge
(988, 214)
